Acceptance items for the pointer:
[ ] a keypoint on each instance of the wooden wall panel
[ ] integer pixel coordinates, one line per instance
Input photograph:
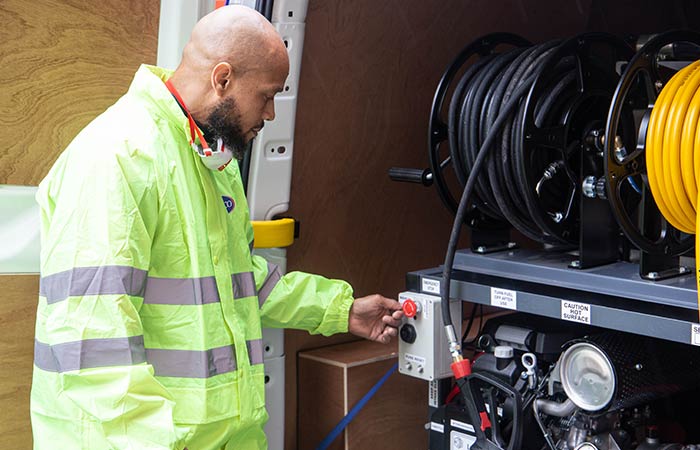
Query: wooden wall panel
(369, 72)
(63, 62)
(18, 297)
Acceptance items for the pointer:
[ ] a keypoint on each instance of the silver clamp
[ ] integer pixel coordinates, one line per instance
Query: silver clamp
(529, 361)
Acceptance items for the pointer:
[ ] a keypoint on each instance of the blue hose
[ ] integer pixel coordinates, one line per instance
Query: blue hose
(345, 421)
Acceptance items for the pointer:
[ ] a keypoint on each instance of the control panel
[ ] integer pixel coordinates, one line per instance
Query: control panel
(423, 349)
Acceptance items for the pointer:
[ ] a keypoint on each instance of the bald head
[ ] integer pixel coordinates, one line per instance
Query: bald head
(232, 67)
(235, 34)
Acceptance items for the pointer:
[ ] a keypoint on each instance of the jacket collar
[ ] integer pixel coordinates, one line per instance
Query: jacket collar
(149, 84)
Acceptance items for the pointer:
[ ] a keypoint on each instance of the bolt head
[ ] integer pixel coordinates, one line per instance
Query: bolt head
(588, 186)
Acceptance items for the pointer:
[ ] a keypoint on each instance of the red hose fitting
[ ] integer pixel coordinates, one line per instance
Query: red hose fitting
(462, 368)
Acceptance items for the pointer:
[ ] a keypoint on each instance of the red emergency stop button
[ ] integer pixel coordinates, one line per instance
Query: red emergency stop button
(410, 309)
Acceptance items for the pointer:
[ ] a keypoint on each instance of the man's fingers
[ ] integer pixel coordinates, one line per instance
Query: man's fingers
(397, 314)
(386, 335)
(390, 304)
(391, 321)
(383, 339)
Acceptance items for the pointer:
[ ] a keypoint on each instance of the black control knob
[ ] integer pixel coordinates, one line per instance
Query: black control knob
(408, 333)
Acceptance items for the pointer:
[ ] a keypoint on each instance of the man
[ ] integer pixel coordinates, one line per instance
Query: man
(148, 328)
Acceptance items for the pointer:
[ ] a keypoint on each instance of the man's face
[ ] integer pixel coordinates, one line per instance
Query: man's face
(238, 117)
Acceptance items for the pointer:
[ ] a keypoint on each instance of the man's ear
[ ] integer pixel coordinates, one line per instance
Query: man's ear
(221, 78)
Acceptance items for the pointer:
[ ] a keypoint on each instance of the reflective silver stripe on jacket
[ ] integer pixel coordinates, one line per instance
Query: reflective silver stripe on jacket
(243, 285)
(123, 280)
(255, 351)
(92, 353)
(181, 291)
(192, 363)
(102, 280)
(195, 291)
(273, 277)
(89, 353)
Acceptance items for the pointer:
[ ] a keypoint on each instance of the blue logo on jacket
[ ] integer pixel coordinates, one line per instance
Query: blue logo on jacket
(228, 203)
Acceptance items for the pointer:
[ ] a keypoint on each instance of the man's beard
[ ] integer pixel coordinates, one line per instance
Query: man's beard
(230, 132)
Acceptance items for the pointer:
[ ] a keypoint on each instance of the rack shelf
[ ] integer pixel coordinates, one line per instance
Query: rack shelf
(611, 296)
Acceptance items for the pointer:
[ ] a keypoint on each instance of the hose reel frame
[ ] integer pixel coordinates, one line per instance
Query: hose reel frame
(670, 242)
(437, 127)
(595, 82)
(595, 56)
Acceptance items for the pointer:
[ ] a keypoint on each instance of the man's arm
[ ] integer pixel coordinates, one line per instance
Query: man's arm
(303, 301)
(99, 218)
(320, 305)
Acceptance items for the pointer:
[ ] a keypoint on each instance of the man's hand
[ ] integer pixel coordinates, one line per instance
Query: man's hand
(375, 318)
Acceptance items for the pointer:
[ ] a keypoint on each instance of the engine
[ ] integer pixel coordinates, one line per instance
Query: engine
(561, 387)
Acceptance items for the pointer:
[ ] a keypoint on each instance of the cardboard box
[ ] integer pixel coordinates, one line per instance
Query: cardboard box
(333, 379)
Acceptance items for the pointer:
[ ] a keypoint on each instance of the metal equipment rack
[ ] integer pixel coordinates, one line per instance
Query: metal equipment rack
(612, 296)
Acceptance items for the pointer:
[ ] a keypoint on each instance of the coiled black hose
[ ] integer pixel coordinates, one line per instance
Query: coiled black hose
(466, 195)
(485, 128)
(452, 129)
(503, 191)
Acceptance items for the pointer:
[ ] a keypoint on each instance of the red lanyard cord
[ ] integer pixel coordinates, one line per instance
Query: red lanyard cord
(193, 127)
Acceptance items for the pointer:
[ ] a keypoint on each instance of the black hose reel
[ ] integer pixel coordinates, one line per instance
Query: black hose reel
(569, 135)
(492, 232)
(482, 48)
(533, 179)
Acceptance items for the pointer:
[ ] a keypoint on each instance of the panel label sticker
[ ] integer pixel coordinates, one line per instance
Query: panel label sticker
(504, 298)
(695, 334)
(440, 428)
(576, 312)
(432, 286)
(414, 359)
(462, 425)
(433, 393)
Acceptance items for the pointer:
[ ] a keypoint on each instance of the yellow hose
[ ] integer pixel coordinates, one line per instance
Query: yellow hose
(673, 152)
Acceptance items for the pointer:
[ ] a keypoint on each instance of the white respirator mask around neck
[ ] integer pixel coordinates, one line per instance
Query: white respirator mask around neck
(216, 158)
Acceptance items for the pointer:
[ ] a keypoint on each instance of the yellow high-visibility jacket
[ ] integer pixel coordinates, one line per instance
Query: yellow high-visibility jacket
(148, 332)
